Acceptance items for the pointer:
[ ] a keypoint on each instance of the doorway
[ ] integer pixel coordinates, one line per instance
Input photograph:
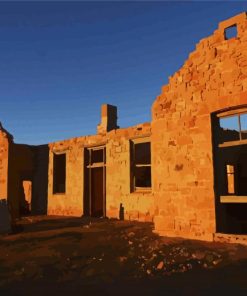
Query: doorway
(25, 197)
(94, 182)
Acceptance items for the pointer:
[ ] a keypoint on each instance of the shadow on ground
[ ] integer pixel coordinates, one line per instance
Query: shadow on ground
(82, 256)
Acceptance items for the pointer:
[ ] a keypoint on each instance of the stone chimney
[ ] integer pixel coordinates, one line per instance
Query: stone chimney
(108, 119)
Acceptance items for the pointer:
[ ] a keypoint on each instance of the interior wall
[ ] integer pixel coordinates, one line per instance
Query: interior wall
(4, 152)
(40, 180)
(5, 223)
(21, 166)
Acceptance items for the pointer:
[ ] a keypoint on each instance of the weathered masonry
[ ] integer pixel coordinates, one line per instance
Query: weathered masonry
(198, 145)
(186, 170)
(92, 175)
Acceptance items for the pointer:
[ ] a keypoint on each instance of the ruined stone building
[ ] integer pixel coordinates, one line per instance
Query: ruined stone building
(186, 170)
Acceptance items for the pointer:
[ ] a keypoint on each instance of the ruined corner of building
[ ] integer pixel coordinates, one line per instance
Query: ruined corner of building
(185, 171)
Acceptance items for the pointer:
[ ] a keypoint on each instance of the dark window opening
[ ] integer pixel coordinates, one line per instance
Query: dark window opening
(231, 32)
(141, 166)
(59, 173)
(143, 176)
(242, 175)
(97, 156)
(236, 221)
(142, 153)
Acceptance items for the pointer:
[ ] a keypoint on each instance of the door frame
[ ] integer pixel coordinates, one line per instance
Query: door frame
(89, 166)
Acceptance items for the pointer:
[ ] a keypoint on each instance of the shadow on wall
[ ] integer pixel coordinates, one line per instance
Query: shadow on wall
(4, 217)
(40, 181)
(27, 165)
(121, 212)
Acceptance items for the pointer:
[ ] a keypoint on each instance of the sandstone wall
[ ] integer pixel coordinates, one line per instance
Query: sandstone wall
(213, 78)
(4, 151)
(4, 213)
(70, 202)
(137, 205)
(117, 142)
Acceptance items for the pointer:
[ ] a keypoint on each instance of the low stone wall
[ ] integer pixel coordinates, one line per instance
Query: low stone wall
(230, 238)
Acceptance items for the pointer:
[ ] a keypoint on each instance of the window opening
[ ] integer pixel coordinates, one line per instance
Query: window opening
(97, 156)
(231, 32)
(142, 166)
(233, 128)
(59, 173)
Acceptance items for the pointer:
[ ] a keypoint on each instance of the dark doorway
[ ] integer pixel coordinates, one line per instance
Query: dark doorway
(97, 192)
(94, 182)
(25, 197)
(27, 187)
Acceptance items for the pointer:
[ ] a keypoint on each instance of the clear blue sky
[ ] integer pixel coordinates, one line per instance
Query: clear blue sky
(60, 61)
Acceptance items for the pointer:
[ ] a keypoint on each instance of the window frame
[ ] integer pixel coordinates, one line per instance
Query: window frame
(89, 165)
(133, 165)
(233, 113)
(232, 197)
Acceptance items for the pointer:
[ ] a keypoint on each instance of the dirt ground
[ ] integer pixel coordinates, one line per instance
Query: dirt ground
(81, 256)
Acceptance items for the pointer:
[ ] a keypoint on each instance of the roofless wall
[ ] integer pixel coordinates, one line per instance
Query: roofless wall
(212, 79)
